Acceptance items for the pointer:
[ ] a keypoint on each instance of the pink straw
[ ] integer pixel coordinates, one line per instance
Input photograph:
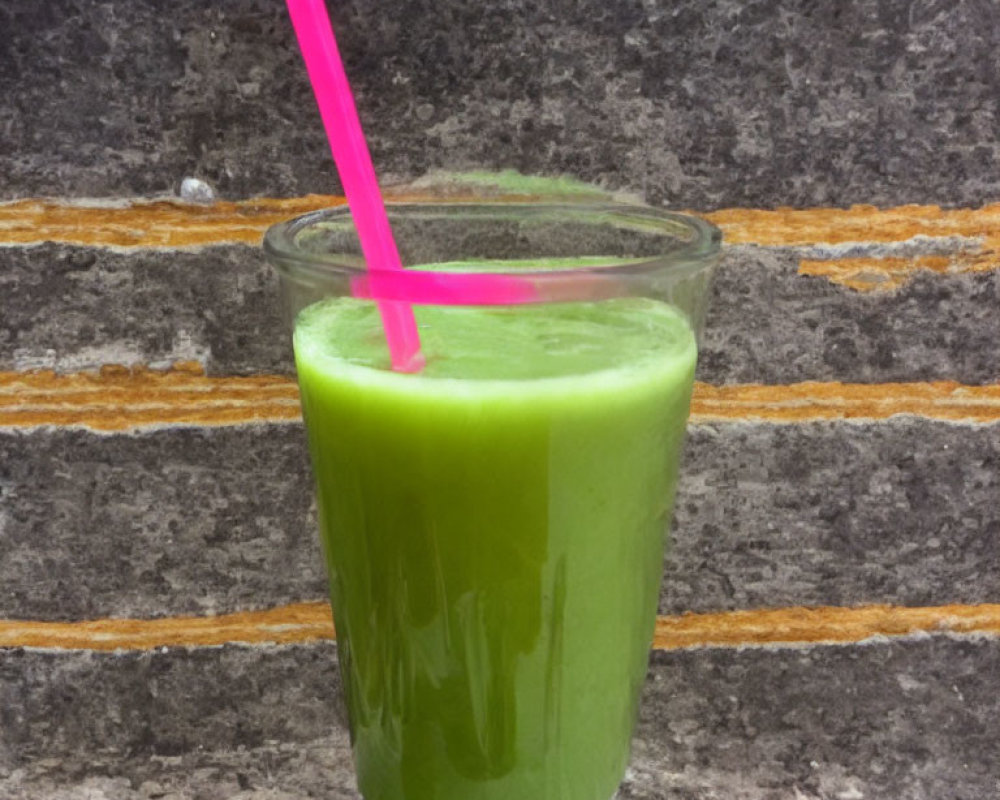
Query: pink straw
(446, 288)
(354, 163)
(483, 288)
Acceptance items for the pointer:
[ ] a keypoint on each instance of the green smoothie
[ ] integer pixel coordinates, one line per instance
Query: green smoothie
(494, 530)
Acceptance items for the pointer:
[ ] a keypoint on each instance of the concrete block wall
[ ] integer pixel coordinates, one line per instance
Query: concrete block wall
(830, 611)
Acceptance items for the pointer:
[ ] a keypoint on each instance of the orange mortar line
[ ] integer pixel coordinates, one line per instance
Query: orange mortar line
(810, 401)
(861, 223)
(170, 223)
(310, 622)
(881, 274)
(149, 224)
(980, 227)
(785, 626)
(299, 622)
(119, 398)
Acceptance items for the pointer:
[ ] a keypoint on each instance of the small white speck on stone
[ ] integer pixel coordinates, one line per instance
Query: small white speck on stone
(249, 89)
(907, 683)
(194, 190)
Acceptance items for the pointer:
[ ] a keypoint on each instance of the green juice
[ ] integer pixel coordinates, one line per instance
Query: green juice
(494, 531)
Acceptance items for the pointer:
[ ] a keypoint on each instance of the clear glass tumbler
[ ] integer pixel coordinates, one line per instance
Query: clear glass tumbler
(494, 523)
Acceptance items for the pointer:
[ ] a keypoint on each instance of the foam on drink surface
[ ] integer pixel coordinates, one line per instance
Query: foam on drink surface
(495, 348)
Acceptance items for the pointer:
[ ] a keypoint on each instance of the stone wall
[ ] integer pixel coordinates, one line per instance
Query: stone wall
(830, 610)
(702, 104)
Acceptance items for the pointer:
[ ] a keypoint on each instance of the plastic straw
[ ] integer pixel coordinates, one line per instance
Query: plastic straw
(447, 288)
(487, 289)
(354, 163)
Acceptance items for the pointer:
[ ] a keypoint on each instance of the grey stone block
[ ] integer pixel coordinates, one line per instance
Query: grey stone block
(906, 719)
(200, 521)
(768, 324)
(914, 719)
(70, 308)
(179, 521)
(163, 702)
(320, 768)
(701, 104)
(836, 514)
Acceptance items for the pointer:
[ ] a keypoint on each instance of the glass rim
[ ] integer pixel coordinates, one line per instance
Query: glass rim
(694, 243)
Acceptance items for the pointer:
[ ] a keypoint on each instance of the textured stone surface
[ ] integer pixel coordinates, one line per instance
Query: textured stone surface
(71, 308)
(211, 520)
(768, 324)
(911, 719)
(183, 520)
(163, 702)
(904, 720)
(821, 513)
(702, 104)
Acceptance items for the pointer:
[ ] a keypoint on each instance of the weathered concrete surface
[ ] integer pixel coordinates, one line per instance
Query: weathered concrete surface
(906, 719)
(702, 104)
(70, 308)
(196, 521)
